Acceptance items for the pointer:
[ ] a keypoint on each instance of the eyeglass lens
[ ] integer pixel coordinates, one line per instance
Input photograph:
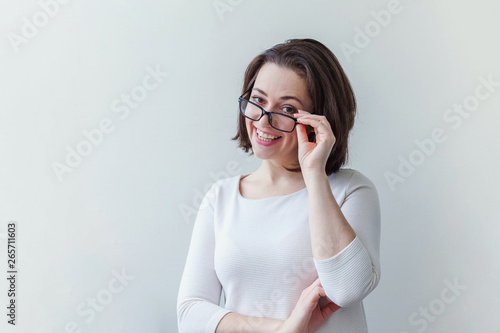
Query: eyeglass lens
(278, 121)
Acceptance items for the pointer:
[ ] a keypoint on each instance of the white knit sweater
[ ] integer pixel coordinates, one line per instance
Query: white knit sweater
(258, 253)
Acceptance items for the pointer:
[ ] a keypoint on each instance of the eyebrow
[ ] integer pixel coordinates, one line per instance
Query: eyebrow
(282, 97)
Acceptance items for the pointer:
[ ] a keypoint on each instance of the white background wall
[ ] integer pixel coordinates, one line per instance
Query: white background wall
(120, 209)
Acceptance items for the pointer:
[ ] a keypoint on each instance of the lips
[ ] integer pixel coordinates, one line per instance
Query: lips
(266, 135)
(265, 142)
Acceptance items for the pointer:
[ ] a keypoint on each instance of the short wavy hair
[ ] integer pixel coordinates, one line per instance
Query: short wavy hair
(327, 85)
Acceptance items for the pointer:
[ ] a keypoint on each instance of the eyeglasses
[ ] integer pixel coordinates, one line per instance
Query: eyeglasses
(282, 121)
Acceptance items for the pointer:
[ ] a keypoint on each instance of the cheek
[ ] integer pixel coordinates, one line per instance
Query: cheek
(291, 137)
(248, 127)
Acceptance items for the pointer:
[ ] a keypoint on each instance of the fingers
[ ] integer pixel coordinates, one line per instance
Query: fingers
(330, 308)
(314, 118)
(315, 283)
(333, 307)
(314, 292)
(302, 133)
(318, 122)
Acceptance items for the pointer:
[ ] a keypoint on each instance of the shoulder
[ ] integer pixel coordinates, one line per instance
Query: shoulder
(222, 186)
(227, 182)
(349, 185)
(216, 192)
(350, 180)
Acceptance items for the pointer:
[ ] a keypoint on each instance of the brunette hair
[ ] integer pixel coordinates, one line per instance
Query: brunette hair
(327, 84)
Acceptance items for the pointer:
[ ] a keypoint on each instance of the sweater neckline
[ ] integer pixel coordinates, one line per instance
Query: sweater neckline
(238, 180)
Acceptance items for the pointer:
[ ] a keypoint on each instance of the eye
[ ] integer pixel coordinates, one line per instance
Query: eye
(257, 99)
(289, 109)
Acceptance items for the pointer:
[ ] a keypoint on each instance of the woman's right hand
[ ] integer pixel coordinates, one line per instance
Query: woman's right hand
(307, 316)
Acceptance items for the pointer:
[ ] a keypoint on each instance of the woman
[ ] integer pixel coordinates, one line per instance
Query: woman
(293, 246)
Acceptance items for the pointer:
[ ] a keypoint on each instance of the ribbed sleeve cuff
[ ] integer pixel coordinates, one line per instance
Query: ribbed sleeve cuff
(341, 258)
(346, 275)
(214, 321)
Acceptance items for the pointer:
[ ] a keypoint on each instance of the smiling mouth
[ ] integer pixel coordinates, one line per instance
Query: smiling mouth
(266, 137)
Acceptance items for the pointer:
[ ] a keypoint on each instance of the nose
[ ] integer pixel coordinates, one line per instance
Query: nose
(264, 122)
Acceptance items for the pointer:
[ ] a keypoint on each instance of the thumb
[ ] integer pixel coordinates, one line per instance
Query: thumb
(301, 133)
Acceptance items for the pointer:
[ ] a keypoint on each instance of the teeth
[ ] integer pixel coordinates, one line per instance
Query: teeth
(266, 137)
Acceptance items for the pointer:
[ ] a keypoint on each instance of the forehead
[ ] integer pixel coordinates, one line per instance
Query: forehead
(276, 80)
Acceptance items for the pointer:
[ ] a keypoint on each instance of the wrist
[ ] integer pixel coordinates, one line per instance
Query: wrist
(284, 327)
(289, 326)
(311, 176)
(274, 326)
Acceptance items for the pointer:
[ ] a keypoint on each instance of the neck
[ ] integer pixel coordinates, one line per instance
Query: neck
(274, 173)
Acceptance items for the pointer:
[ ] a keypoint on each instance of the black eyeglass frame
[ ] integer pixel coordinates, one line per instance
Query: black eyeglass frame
(269, 114)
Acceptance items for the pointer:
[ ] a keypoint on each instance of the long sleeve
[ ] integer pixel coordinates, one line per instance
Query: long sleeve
(350, 275)
(198, 300)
